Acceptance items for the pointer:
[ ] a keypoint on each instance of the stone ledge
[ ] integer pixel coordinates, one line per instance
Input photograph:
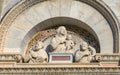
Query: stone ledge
(108, 57)
(61, 71)
(59, 65)
(7, 57)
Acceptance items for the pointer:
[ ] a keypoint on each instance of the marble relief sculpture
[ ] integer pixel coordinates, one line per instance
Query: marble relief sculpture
(37, 54)
(58, 41)
(85, 54)
(62, 42)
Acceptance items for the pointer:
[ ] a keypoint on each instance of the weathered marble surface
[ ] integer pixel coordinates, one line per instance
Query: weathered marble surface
(59, 69)
(85, 54)
(78, 10)
(37, 54)
(62, 42)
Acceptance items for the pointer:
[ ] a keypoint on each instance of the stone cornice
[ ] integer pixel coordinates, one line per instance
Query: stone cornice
(99, 57)
(9, 66)
(62, 70)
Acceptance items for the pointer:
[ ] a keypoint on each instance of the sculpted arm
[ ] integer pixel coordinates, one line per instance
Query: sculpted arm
(78, 56)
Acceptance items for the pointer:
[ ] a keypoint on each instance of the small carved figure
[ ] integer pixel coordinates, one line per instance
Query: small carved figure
(58, 42)
(85, 54)
(69, 44)
(19, 58)
(37, 54)
(98, 58)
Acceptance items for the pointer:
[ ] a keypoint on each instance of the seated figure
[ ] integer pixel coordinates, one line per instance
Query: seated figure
(62, 42)
(58, 41)
(37, 54)
(85, 54)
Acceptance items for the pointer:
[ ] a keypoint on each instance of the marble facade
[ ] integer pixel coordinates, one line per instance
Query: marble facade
(56, 37)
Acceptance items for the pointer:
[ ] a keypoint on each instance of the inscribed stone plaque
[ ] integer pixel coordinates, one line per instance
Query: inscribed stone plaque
(60, 57)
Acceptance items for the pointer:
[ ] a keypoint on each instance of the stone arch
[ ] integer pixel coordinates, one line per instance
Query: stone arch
(75, 28)
(22, 7)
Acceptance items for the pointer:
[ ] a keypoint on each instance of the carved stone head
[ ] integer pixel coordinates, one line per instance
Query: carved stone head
(62, 31)
(84, 46)
(39, 45)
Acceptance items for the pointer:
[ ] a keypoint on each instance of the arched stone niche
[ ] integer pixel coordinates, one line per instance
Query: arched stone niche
(101, 21)
(46, 30)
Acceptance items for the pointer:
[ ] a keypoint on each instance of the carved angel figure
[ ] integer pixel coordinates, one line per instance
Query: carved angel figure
(37, 54)
(85, 54)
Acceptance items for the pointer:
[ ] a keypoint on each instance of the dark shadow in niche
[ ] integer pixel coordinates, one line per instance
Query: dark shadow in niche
(48, 49)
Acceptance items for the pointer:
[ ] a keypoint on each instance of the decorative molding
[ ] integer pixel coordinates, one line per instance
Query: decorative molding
(8, 57)
(109, 16)
(61, 71)
(103, 57)
(108, 57)
(9, 66)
